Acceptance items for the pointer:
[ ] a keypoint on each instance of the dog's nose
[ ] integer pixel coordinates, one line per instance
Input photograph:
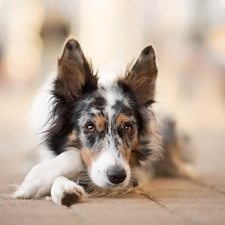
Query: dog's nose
(116, 176)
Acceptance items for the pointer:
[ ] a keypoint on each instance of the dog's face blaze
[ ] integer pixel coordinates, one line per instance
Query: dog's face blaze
(104, 122)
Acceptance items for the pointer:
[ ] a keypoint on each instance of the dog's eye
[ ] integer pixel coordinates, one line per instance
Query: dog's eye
(90, 127)
(127, 128)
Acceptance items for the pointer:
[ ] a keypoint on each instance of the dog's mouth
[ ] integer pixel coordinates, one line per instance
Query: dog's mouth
(108, 185)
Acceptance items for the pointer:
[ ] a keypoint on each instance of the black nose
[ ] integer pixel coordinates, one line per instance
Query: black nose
(116, 176)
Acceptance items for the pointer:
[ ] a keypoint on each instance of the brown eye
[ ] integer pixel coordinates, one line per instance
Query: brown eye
(127, 128)
(91, 128)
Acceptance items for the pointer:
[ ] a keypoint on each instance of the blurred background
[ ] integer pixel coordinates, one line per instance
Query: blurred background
(187, 35)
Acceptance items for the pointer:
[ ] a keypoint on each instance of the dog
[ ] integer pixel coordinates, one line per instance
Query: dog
(101, 139)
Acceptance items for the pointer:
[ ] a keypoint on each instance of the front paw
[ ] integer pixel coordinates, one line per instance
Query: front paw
(36, 184)
(66, 192)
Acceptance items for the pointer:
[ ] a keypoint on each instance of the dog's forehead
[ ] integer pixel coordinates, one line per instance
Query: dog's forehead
(108, 99)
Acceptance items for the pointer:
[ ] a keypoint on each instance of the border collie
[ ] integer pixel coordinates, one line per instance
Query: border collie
(101, 139)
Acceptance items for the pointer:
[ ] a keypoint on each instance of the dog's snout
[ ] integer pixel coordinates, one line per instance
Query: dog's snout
(116, 176)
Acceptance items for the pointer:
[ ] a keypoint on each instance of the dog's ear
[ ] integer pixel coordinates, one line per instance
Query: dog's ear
(75, 74)
(142, 76)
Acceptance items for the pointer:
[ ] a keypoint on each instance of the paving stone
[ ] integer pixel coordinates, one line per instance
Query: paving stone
(34, 212)
(129, 209)
(190, 200)
(210, 157)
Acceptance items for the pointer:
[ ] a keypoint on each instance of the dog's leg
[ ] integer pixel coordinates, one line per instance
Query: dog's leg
(178, 156)
(66, 192)
(40, 179)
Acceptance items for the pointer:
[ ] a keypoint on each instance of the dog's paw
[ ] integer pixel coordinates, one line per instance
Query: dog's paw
(66, 192)
(37, 184)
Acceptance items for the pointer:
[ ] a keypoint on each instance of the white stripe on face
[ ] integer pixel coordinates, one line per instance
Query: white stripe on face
(105, 161)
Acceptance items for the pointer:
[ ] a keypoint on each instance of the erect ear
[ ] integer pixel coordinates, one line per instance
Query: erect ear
(142, 76)
(75, 74)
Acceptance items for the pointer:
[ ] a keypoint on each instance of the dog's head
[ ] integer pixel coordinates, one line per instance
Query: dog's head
(105, 123)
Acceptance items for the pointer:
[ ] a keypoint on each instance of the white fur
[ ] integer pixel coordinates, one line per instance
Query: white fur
(111, 98)
(64, 187)
(41, 106)
(40, 179)
(99, 169)
(39, 116)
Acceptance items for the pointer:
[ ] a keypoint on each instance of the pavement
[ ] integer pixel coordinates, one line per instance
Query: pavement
(166, 200)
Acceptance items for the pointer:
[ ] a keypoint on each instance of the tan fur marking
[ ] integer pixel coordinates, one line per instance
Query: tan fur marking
(121, 118)
(99, 122)
(134, 143)
(125, 152)
(72, 137)
(133, 154)
(88, 157)
(133, 158)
